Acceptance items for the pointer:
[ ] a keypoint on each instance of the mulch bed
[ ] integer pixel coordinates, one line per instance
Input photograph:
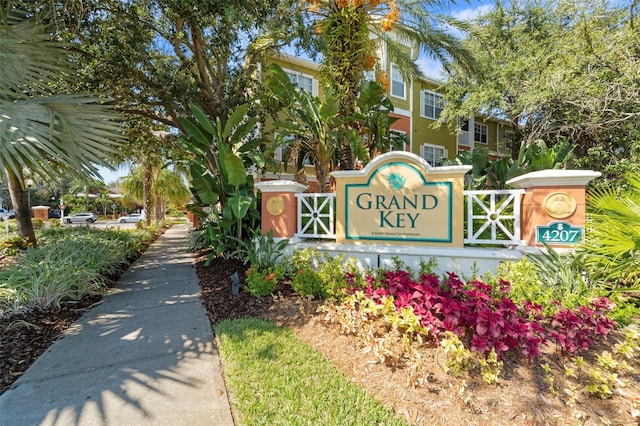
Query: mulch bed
(521, 397)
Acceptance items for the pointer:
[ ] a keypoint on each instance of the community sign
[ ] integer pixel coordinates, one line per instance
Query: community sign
(400, 198)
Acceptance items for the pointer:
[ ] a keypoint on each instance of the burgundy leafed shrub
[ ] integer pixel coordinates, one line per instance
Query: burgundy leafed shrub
(487, 318)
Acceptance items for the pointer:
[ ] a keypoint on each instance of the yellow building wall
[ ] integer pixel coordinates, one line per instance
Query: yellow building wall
(292, 64)
(423, 130)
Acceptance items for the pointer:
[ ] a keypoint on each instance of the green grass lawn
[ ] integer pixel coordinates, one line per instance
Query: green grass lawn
(275, 379)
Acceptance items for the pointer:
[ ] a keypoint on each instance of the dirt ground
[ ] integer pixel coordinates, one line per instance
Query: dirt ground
(521, 398)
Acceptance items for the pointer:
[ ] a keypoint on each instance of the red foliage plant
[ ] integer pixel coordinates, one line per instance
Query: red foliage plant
(486, 317)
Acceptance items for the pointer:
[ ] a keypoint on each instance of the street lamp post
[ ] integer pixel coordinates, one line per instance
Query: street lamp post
(29, 185)
(62, 207)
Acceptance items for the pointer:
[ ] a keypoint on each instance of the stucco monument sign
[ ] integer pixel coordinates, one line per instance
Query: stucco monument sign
(399, 198)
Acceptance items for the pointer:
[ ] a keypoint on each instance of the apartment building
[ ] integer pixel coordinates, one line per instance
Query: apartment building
(417, 106)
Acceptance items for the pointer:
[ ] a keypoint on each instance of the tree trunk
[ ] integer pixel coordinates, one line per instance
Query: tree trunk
(20, 201)
(321, 176)
(159, 210)
(346, 156)
(147, 181)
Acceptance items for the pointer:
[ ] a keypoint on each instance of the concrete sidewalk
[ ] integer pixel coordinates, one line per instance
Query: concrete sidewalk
(144, 356)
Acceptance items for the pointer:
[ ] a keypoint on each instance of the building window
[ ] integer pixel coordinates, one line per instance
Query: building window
(431, 104)
(303, 81)
(370, 75)
(397, 83)
(434, 154)
(480, 133)
(394, 135)
(284, 141)
(508, 139)
(464, 124)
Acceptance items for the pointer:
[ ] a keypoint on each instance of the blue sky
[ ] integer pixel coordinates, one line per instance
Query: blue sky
(464, 11)
(461, 10)
(110, 176)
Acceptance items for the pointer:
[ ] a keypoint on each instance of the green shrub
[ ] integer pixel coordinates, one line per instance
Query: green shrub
(546, 283)
(11, 245)
(261, 251)
(333, 274)
(320, 274)
(68, 264)
(306, 258)
(626, 310)
(307, 282)
(262, 282)
(197, 240)
(37, 223)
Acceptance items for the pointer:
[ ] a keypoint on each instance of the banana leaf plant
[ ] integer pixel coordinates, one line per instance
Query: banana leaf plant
(494, 173)
(308, 119)
(220, 155)
(373, 111)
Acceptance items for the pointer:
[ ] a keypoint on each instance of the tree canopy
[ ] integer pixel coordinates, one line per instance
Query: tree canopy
(45, 127)
(158, 57)
(556, 71)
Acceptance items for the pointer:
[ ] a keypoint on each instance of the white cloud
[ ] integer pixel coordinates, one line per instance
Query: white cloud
(430, 67)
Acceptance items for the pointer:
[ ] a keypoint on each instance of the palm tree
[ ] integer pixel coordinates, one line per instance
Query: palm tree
(86, 187)
(353, 33)
(611, 249)
(41, 128)
(169, 190)
(155, 187)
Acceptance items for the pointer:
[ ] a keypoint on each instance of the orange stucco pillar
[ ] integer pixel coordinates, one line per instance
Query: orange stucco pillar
(193, 219)
(40, 212)
(553, 207)
(280, 207)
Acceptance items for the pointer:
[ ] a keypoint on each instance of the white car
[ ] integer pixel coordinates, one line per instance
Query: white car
(82, 218)
(131, 218)
(7, 214)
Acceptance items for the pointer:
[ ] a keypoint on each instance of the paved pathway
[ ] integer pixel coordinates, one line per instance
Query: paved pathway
(144, 356)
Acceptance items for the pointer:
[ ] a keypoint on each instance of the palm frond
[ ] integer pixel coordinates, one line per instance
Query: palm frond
(44, 133)
(29, 60)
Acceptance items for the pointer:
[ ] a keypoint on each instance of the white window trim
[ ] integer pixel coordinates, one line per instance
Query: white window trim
(422, 102)
(486, 132)
(280, 151)
(445, 152)
(314, 81)
(404, 83)
(401, 132)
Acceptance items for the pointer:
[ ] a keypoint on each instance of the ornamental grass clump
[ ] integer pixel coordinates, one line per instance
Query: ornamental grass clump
(68, 264)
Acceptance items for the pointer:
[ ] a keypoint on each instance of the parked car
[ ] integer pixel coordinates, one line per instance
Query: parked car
(54, 214)
(131, 218)
(7, 214)
(82, 218)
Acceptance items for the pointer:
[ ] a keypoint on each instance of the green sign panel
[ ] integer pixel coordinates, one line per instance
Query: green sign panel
(559, 233)
(397, 204)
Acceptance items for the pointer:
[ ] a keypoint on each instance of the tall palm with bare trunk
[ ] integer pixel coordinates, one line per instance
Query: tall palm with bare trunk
(156, 187)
